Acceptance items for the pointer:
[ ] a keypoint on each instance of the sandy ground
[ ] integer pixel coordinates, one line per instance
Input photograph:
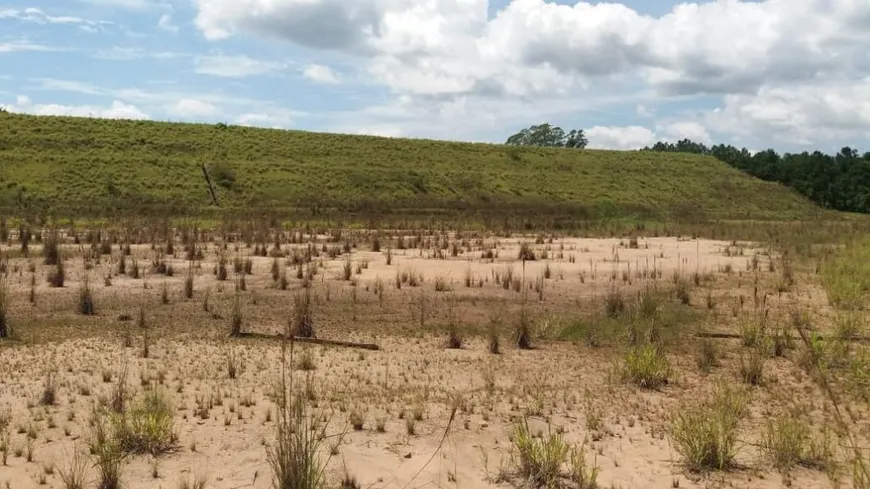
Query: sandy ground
(558, 385)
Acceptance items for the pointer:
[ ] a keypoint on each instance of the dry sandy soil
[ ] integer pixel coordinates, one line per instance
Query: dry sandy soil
(559, 385)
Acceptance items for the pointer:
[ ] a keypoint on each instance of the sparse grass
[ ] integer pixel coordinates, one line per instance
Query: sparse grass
(705, 436)
(148, 426)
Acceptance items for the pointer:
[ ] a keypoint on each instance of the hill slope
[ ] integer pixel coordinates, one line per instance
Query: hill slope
(72, 164)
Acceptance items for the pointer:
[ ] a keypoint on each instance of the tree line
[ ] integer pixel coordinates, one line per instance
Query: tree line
(840, 181)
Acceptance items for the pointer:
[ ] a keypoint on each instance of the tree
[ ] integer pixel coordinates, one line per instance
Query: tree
(840, 181)
(547, 135)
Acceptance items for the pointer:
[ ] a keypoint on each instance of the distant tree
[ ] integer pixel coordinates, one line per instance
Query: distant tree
(840, 181)
(547, 135)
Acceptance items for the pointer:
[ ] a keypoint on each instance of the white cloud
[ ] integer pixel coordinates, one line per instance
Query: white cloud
(763, 57)
(190, 107)
(676, 131)
(275, 118)
(23, 45)
(117, 109)
(166, 24)
(320, 74)
(629, 137)
(235, 66)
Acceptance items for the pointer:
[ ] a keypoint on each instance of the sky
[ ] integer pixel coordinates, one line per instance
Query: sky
(792, 75)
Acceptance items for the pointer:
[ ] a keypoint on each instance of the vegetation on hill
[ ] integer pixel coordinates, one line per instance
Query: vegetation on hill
(72, 166)
(840, 181)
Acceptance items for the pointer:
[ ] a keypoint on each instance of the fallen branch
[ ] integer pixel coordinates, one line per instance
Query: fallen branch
(860, 339)
(316, 341)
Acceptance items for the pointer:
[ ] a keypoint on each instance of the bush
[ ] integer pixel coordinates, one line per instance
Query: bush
(706, 436)
(223, 175)
(647, 366)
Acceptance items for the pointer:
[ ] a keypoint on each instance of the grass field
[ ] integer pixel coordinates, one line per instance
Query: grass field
(79, 165)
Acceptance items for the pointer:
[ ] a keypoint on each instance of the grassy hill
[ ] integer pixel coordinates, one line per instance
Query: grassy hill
(76, 164)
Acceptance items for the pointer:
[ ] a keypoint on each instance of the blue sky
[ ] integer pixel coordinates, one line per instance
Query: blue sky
(756, 74)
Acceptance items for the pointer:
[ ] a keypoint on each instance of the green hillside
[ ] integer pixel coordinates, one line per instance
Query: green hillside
(74, 165)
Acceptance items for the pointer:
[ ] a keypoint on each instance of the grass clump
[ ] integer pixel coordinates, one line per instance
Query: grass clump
(539, 460)
(705, 436)
(787, 442)
(86, 305)
(294, 456)
(707, 357)
(5, 328)
(646, 366)
(302, 322)
(147, 426)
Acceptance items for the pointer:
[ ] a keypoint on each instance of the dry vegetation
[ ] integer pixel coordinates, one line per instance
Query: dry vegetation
(171, 356)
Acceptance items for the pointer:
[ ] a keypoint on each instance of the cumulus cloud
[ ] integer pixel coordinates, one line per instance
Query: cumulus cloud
(235, 66)
(320, 74)
(629, 137)
(116, 110)
(759, 56)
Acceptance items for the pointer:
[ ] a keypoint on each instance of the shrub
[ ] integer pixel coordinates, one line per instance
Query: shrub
(706, 436)
(526, 253)
(223, 175)
(647, 366)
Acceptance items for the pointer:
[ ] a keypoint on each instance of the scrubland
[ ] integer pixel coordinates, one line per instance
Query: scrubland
(252, 355)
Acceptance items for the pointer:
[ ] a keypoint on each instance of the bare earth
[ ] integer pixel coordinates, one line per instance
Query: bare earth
(559, 385)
